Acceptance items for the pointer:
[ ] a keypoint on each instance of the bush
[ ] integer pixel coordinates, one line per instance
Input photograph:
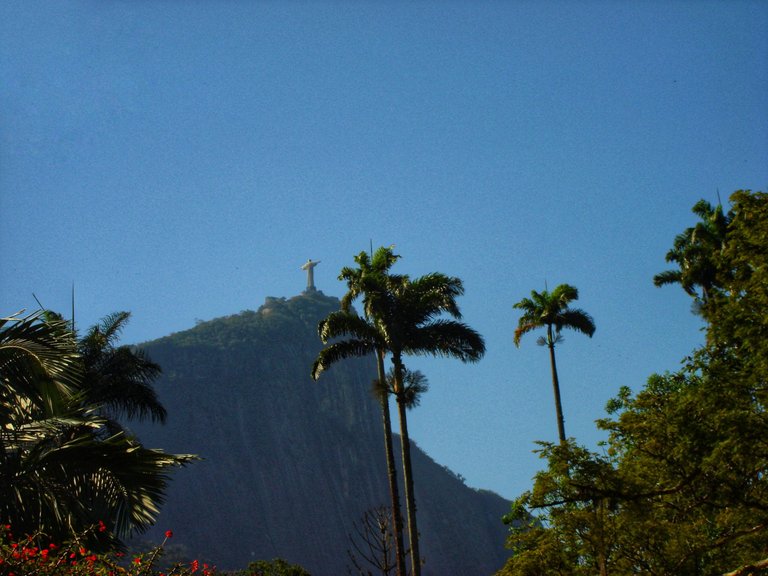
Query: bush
(37, 554)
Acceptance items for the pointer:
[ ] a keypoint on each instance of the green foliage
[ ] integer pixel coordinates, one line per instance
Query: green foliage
(36, 356)
(276, 567)
(680, 489)
(681, 486)
(738, 313)
(415, 384)
(118, 378)
(41, 555)
(575, 527)
(552, 310)
(64, 466)
(695, 252)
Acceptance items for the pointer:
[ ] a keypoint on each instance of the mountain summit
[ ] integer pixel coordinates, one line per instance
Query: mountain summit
(290, 464)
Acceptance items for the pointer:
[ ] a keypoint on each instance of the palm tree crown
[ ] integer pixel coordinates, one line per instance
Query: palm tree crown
(545, 309)
(695, 252)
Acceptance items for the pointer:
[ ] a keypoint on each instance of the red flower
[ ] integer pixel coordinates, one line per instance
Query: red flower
(195, 565)
(102, 526)
(137, 560)
(169, 533)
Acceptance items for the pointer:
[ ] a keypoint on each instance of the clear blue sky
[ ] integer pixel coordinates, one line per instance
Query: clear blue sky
(182, 159)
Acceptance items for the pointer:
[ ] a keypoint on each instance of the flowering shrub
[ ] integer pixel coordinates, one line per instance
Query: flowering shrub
(36, 555)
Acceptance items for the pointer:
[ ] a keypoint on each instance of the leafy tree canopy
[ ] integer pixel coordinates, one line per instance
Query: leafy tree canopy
(680, 486)
(276, 567)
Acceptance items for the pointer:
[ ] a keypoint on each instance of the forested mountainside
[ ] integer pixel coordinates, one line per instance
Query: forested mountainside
(290, 464)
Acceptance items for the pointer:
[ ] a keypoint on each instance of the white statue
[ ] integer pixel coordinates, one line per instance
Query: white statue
(309, 267)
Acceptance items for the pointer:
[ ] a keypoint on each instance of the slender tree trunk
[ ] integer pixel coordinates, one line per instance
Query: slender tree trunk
(397, 516)
(602, 556)
(405, 451)
(556, 386)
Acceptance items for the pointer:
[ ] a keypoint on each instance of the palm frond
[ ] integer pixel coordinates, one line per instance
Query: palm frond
(117, 474)
(415, 384)
(525, 304)
(563, 295)
(576, 319)
(340, 323)
(35, 353)
(383, 259)
(446, 338)
(696, 251)
(113, 324)
(434, 294)
(119, 378)
(341, 350)
(667, 277)
(525, 326)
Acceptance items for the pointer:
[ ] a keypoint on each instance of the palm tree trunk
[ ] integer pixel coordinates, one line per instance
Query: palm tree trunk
(556, 386)
(394, 494)
(405, 451)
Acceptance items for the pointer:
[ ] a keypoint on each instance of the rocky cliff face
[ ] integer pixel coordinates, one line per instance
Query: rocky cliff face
(289, 463)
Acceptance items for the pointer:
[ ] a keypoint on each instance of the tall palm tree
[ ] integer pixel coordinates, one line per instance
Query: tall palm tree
(551, 311)
(362, 339)
(61, 468)
(410, 318)
(695, 252)
(406, 317)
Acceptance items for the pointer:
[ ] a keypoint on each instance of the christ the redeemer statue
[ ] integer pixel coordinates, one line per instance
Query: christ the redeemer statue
(309, 267)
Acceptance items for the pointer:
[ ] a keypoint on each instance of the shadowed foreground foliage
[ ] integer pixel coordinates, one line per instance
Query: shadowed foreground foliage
(64, 464)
